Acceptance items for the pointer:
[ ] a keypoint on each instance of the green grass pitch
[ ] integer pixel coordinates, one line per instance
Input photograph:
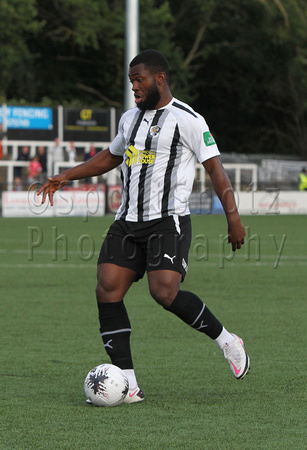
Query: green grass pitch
(50, 340)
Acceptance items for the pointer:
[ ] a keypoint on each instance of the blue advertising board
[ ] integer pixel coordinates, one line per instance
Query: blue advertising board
(28, 118)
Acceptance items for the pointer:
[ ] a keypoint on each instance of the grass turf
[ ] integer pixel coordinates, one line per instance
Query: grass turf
(50, 340)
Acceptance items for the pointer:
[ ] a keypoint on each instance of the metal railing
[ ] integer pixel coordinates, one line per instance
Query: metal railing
(111, 178)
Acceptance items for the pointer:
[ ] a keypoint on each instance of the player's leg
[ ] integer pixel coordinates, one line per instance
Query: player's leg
(163, 285)
(115, 328)
(112, 284)
(164, 277)
(120, 263)
(167, 264)
(114, 322)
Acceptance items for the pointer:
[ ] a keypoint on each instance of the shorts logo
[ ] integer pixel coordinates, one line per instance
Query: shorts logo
(208, 138)
(154, 131)
(142, 157)
(169, 257)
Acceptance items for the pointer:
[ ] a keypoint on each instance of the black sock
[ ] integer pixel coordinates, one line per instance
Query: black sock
(115, 331)
(189, 308)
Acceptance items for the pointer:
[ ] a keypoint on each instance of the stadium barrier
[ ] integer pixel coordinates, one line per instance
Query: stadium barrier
(105, 191)
(99, 199)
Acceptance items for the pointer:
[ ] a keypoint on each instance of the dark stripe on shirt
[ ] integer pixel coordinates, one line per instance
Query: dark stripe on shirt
(177, 105)
(132, 142)
(168, 172)
(145, 167)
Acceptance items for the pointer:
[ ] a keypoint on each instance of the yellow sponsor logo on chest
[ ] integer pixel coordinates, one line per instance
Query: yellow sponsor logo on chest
(147, 157)
(132, 155)
(142, 156)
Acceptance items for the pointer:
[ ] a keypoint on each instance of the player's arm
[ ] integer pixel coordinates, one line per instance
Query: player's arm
(101, 163)
(224, 191)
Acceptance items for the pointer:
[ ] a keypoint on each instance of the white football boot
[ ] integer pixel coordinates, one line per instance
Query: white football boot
(134, 396)
(237, 358)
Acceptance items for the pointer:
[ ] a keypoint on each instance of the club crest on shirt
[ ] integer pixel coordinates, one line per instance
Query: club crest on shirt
(154, 131)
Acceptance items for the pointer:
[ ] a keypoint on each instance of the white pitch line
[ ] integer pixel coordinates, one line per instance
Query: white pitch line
(210, 255)
(249, 264)
(48, 266)
(191, 264)
(38, 252)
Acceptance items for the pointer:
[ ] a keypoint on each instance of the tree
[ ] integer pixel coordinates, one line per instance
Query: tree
(19, 26)
(81, 45)
(287, 92)
(246, 62)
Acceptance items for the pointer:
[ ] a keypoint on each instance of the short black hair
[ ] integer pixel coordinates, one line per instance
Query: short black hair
(153, 60)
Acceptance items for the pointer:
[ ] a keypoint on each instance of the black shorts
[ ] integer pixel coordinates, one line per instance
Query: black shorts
(159, 244)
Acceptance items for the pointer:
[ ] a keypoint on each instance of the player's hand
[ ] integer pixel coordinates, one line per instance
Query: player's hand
(52, 185)
(236, 235)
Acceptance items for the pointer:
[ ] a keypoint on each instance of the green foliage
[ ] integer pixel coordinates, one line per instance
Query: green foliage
(249, 72)
(286, 91)
(82, 46)
(19, 26)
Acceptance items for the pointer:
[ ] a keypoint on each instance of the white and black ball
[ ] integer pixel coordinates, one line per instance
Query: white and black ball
(106, 385)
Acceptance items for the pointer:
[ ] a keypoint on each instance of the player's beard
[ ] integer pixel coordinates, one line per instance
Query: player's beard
(152, 98)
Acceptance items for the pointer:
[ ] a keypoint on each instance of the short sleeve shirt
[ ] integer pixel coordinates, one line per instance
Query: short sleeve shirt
(160, 149)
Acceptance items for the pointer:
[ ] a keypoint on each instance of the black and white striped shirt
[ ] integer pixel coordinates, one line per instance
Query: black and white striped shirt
(160, 149)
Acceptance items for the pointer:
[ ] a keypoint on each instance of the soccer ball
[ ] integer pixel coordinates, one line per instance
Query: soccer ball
(106, 385)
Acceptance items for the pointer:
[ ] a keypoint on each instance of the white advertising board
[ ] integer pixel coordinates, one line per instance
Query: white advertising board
(66, 203)
(272, 202)
(93, 203)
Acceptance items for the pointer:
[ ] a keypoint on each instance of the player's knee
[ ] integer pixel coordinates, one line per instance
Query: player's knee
(164, 295)
(105, 292)
(100, 292)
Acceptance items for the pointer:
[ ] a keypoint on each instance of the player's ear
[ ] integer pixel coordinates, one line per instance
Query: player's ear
(161, 78)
